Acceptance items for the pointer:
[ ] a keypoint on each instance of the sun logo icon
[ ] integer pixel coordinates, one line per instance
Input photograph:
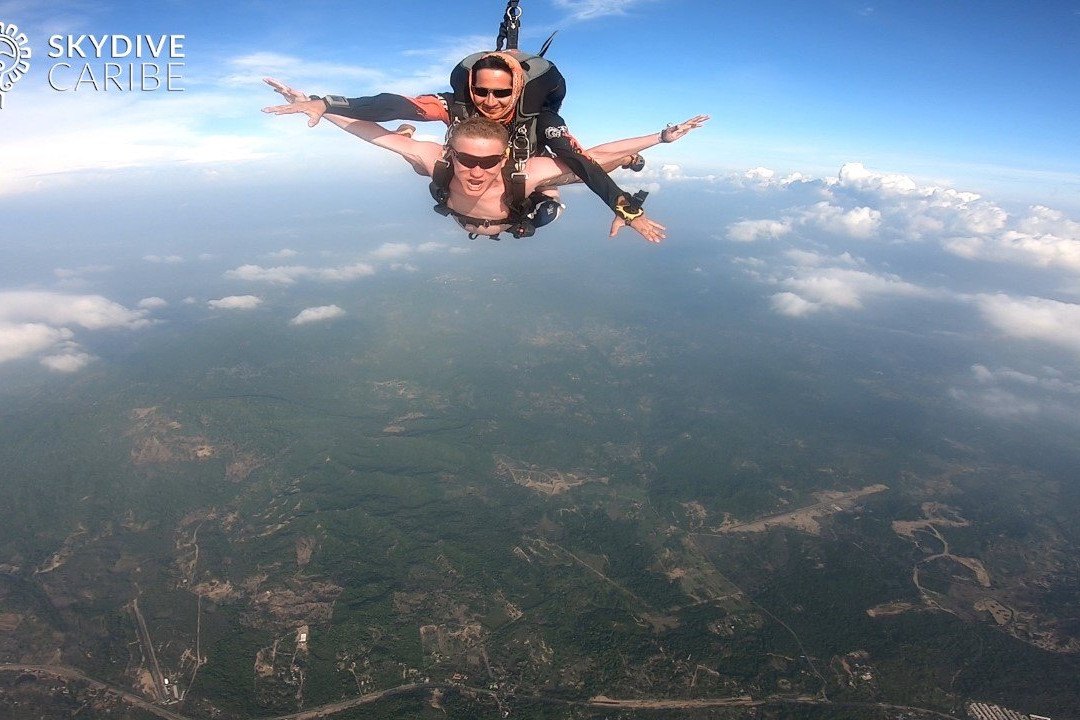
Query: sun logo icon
(14, 57)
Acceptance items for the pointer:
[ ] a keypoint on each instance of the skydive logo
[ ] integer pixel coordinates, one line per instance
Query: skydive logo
(14, 57)
(155, 67)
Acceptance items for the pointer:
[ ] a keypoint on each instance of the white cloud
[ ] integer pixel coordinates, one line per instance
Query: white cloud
(283, 254)
(249, 70)
(35, 322)
(747, 231)
(1051, 379)
(997, 402)
(807, 258)
(391, 251)
(152, 303)
(344, 273)
(831, 288)
(18, 340)
(792, 305)
(317, 314)
(963, 223)
(236, 302)
(1033, 318)
(855, 175)
(75, 273)
(1008, 393)
(115, 131)
(67, 362)
(92, 312)
(858, 222)
(1043, 238)
(589, 9)
(430, 247)
(281, 275)
(290, 274)
(166, 259)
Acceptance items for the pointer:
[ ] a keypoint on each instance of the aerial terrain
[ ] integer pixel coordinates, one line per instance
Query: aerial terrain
(565, 479)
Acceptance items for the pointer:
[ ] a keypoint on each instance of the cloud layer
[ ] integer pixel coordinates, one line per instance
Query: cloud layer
(321, 313)
(40, 323)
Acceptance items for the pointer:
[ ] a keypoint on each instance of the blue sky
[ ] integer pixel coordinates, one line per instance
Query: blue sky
(862, 157)
(984, 94)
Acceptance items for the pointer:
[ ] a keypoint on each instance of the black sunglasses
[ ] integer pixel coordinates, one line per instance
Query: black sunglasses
(499, 93)
(470, 161)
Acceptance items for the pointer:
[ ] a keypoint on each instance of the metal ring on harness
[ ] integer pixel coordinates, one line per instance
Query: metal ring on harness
(520, 147)
(508, 30)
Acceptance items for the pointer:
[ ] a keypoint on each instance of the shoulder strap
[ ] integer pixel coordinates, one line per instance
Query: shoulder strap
(439, 187)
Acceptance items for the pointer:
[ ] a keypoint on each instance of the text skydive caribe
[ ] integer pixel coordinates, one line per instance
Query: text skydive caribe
(146, 75)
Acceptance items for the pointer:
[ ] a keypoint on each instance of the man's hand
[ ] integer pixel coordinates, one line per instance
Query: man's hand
(649, 229)
(673, 132)
(298, 103)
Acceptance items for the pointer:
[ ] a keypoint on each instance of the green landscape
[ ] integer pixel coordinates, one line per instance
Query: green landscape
(526, 495)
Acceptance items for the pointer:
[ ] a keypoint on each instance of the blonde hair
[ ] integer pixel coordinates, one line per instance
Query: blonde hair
(480, 128)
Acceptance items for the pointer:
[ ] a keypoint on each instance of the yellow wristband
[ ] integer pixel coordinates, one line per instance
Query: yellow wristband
(628, 215)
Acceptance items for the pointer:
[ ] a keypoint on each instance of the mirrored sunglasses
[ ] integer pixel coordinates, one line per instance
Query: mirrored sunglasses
(483, 92)
(470, 161)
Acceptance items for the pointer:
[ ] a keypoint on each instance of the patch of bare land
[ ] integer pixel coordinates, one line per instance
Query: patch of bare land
(544, 481)
(58, 558)
(696, 575)
(186, 542)
(305, 546)
(695, 514)
(156, 438)
(309, 601)
(934, 515)
(682, 704)
(406, 390)
(893, 608)
(447, 640)
(1001, 614)
(216, 590)
(1006, 602)
(805, 519)
(240, 467)
(554, 401)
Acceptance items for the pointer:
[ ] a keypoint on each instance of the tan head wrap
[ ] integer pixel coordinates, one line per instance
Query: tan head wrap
(518, 84)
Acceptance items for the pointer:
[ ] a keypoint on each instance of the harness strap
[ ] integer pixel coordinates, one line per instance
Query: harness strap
(521, 207)
(511, 24)
(547, 44)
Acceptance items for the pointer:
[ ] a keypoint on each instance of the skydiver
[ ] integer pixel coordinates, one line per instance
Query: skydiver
(521, 91)
(474, 188)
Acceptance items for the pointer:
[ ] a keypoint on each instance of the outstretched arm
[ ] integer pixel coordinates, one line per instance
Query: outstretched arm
(611, 153)
(554, 171)
(545, 172)
(417, 153)
(377, 108)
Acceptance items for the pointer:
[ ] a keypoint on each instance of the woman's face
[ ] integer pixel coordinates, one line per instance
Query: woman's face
(492, 83)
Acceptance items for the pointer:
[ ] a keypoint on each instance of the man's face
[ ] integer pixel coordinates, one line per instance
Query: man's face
(477, 152)
(492, 83)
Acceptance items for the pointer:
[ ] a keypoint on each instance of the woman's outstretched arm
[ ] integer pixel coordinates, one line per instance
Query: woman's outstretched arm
(419, 154)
